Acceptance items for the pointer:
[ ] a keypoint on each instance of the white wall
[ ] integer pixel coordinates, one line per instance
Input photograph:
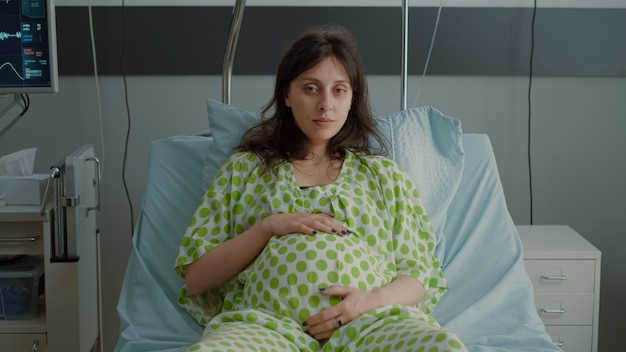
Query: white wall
(578, 144)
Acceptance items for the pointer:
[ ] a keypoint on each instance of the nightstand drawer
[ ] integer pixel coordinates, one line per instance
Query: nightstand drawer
(565, 308)
(561, 275)
(23, 342)
(18, 238)
(571, 338)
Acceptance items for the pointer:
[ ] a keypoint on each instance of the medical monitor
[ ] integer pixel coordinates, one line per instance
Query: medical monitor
(28, 47)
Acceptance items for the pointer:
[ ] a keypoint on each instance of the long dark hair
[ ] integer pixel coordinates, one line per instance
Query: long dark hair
(278, 138)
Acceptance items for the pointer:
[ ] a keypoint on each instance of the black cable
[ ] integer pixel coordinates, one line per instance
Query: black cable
(26, 103)
(530, 82)
(128, 120)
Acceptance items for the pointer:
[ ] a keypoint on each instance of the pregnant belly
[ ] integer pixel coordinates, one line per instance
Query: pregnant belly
(287, 275)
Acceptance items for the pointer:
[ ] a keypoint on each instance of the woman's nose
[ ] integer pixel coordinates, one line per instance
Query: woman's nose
(325, 103)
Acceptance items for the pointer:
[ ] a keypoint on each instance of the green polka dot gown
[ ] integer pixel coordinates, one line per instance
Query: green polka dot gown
(262, 308)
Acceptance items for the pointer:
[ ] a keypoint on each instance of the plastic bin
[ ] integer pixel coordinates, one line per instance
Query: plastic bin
(19, 287)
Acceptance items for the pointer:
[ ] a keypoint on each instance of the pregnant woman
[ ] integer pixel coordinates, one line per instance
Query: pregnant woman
(306, 240)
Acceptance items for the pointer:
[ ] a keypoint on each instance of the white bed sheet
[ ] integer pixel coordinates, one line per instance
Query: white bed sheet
(489, 303)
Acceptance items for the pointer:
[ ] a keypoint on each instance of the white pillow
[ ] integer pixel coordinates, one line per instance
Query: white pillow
(423, 141)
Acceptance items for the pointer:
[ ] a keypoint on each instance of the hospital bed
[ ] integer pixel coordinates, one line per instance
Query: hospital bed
(490, 300)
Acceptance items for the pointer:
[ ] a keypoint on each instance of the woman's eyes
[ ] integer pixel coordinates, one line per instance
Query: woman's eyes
(312, 89)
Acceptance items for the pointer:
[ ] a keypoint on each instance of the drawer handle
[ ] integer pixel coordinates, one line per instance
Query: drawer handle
(559, 344)
(19, 239)
(554, 278)
(553, 311)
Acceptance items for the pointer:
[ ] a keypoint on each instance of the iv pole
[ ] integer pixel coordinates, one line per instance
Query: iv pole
(231, 46)
(405, 46)
(234, 35)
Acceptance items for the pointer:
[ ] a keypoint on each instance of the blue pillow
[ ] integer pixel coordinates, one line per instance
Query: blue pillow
(227, 125)
(423, 141)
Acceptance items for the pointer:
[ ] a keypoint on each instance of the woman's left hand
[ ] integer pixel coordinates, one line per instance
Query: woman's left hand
(404, 290)
(354, 303)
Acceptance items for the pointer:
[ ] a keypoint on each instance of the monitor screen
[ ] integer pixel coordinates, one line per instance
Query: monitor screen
(27, 47)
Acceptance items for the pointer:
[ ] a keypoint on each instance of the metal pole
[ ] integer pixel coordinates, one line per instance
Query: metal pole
(231, 46)
(405, 47)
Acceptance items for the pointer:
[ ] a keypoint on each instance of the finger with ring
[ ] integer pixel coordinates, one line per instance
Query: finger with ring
(338, 322)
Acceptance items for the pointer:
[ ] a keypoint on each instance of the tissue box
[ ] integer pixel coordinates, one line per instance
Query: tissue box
(23, 190)
(19, 287)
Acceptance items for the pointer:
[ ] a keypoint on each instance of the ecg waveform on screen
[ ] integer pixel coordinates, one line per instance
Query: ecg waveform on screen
(5, 35)
(7, 65)
(10, 66)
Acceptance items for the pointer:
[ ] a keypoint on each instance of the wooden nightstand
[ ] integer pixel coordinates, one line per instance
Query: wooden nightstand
(565, 271)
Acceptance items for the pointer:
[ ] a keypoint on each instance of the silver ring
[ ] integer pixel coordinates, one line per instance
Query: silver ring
(338, 322)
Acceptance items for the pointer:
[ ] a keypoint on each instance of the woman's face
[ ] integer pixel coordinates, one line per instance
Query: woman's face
(320, 99)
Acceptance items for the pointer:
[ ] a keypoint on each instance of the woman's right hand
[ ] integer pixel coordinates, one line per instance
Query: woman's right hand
(235, 254)
(303, 222)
